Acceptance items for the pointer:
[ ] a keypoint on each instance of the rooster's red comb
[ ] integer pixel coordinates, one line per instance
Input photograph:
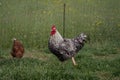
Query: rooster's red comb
(53, 27)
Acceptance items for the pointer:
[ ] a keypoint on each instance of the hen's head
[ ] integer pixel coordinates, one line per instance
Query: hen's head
(14, 39)
(53, 30)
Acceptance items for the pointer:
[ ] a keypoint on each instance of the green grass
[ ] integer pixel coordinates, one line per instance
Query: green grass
(41, 66)
(30, 21)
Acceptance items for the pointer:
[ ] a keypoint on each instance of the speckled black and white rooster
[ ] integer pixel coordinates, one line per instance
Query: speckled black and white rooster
(65, 48)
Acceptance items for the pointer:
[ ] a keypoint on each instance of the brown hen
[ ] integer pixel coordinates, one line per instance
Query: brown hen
(17, 49)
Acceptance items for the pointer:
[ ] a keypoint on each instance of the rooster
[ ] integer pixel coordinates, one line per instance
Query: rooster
(64, 48)
(17, 49)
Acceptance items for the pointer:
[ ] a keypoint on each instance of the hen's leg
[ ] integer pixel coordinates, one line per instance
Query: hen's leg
(73, 60)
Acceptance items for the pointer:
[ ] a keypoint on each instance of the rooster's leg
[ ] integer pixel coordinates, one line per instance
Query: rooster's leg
(73, 60)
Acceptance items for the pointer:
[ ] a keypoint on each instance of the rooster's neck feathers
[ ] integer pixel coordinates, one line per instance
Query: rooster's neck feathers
(57, 38)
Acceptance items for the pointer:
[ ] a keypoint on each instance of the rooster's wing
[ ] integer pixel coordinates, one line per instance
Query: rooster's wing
(67, 48)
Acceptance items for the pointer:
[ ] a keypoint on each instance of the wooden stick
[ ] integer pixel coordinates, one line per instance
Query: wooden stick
(64, 21)
(73, 60)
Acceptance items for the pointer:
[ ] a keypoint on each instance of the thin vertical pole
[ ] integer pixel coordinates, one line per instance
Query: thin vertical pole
(64, 21)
